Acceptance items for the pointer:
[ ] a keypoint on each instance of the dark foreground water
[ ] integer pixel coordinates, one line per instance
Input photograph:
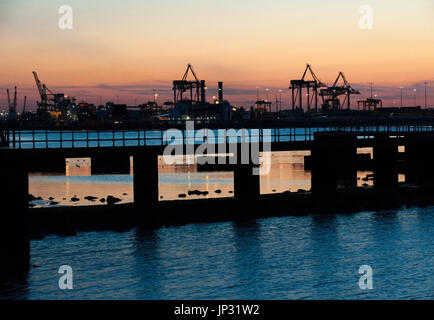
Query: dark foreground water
(309, 257)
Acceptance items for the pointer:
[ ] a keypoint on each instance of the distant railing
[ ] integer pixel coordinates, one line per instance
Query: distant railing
(52, 139)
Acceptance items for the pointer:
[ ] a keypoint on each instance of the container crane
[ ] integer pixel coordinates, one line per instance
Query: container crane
(297, 87)
(196, 87)
(331, 95)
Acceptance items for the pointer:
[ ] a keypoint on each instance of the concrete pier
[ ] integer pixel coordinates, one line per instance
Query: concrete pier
(146, 191)
(333, 163)
(246, 184)
(385, 162)
(14, 187)
(419, 156)
(246, 181)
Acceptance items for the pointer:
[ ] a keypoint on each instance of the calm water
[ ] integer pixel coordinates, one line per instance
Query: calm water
(309, 257)
(306, 257)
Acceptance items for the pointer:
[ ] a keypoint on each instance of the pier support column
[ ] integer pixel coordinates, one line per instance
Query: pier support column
(334, 159)
(145, 165)
(385, 163)
(246, 182)
(419, 155)
(14, 188)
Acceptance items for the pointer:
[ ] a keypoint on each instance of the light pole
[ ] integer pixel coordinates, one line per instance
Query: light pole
(401, 94)
(426, 100)
(266, 90)
(280, 100)
(257, 93)
(415, 97)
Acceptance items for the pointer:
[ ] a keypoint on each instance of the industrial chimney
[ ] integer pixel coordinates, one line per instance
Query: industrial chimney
(220, 92)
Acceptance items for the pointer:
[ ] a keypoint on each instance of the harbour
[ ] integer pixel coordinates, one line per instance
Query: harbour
(213, 159)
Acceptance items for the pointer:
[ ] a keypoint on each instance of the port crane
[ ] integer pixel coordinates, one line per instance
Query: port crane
(195, 87)
(24, 105)
(12, 106)
(48, 98)
(313, 85)
(331, 95)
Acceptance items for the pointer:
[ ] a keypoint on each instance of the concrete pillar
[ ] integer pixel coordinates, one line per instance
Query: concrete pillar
(145, 165)
(14, 188)
(385, 163)
(333, 162)
(246, 182)
(419, 157)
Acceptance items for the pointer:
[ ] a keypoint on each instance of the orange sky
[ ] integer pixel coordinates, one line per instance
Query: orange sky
(121, 50)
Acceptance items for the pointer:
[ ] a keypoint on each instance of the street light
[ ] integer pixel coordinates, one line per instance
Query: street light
(401, 94)
(415, 97)
(426, 100)
(280, 100)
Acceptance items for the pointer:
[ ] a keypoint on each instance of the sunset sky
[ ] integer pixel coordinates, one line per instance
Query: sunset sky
(121, 50)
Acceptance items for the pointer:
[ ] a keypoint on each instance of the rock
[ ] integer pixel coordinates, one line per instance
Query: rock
(274, 190)
(31, 197)
(112, 200)
(198, 193)
(231, 192)
(183, 195)
(102, 200)
(91, 198)
(54, 203)
(125, 194)
(75, 199)
(51, 198)
(218, 191)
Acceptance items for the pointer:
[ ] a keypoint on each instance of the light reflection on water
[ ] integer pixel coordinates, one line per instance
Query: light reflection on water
(307, 257)
(287, 174)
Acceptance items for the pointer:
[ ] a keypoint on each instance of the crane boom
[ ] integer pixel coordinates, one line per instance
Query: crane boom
(24, 106)
(9, 99)
(38, 84)
(14, 106)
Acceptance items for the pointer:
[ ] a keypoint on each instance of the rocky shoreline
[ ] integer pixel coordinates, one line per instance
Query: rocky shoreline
(69, 220)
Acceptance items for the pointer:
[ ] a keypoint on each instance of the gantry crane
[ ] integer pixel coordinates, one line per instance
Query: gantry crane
(297, 87)
(331, 95)
(196, 88)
